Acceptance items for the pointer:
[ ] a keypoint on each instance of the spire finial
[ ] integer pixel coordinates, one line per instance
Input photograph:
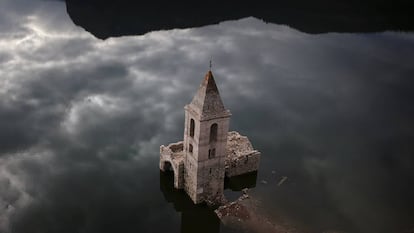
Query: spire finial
(211, 62)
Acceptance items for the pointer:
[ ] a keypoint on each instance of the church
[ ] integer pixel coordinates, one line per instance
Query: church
(208, 152)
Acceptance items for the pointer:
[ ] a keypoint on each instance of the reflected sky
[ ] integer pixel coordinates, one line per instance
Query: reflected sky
(81, 121)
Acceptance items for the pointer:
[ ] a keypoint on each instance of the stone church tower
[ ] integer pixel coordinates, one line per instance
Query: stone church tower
(205, 137)
(209, 152)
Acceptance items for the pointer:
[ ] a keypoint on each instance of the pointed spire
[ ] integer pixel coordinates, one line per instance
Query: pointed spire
(207, 102)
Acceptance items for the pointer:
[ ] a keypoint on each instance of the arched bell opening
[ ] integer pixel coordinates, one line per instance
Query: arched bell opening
(213, 132)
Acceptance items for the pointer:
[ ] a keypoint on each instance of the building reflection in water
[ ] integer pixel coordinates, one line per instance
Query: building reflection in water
(200, 218)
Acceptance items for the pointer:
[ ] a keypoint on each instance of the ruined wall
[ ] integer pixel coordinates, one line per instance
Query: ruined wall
(241, 157)
(203, 177)
(243, 164)
(173, 155)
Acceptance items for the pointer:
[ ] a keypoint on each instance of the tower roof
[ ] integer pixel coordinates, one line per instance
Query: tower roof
(207, 101)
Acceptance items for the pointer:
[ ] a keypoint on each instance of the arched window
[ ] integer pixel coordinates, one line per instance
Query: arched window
(190, 148)
(213, 132)
(192, 126)
(167, 166)
(211, 153)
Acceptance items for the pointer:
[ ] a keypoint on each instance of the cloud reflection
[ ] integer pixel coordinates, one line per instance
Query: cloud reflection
(81, 119)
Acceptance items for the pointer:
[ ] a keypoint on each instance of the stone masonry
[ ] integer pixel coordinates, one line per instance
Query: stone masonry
(209, 152)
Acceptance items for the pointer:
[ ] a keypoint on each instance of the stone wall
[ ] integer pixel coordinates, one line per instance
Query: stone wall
(203, 180)
(190, 177)
(243, 164)
(173, 155)
(241, 158)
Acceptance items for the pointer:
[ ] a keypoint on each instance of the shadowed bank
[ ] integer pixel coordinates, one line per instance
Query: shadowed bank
(108, 18)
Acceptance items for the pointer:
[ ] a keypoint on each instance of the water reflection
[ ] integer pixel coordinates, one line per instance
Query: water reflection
(78, 115)
(194, 218)
(200, 218)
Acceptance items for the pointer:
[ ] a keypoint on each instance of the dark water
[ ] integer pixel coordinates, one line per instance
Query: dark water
(81, 121)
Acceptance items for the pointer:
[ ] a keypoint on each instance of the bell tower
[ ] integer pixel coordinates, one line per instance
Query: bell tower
(205, 138)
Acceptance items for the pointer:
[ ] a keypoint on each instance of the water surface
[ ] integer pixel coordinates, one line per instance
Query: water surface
(81, 122)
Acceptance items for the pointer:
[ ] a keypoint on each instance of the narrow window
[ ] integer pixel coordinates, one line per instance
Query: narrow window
(211, 153)
(192, 126)
(247, 160)
(210, 170)
(213, 132)
(190, 148)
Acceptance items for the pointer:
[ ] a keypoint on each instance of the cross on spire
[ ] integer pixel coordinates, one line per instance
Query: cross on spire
(211, 62)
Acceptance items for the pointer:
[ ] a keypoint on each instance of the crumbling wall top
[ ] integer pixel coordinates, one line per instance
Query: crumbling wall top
(238, 145)
(174, 151)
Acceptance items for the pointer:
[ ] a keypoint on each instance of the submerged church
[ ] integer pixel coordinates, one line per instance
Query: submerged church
(209, 152)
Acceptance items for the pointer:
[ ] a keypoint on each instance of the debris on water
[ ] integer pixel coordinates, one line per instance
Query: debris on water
(284, 178)
(263, 182)
(245, 215)
(273, 172)
(245, 190)
(234, 209)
